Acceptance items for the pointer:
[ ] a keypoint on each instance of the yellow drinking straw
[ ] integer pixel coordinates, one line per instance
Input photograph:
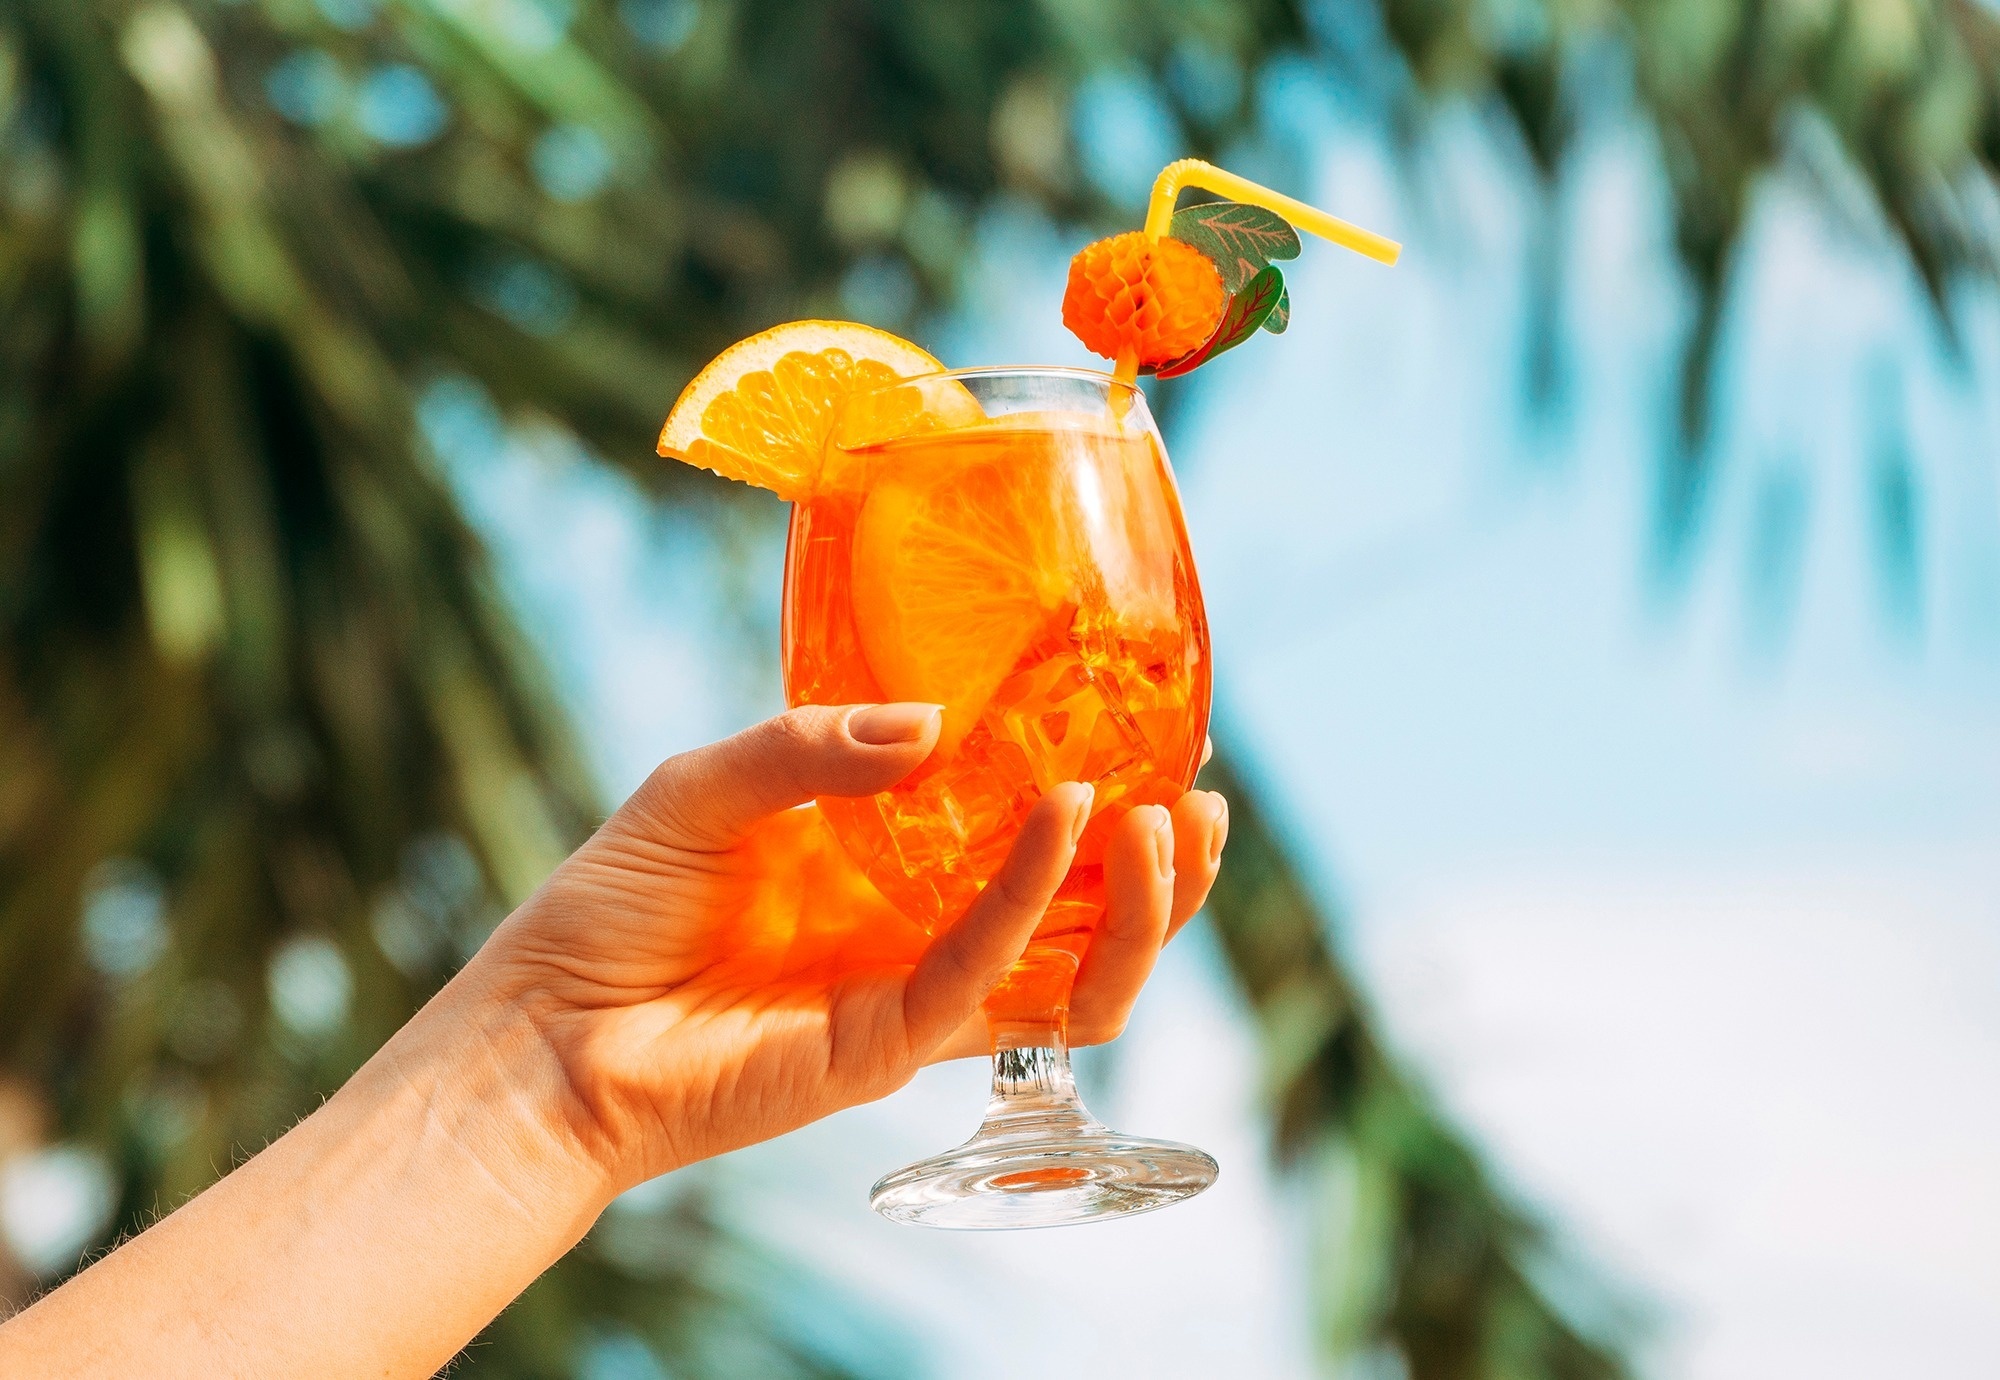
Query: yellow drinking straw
(1192, 172)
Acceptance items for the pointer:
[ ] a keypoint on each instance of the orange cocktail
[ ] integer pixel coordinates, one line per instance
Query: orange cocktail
(1008, 543)
(1012, 548)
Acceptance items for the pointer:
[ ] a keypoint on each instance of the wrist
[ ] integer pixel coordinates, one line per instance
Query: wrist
(494, 1087)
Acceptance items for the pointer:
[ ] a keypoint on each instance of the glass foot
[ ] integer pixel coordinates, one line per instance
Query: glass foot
(1040, 1160)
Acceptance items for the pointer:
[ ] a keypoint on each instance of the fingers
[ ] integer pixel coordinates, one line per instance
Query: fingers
(963, 964)
(1201, 827)
(1158, 868)
(1139, 892)
(709, 798)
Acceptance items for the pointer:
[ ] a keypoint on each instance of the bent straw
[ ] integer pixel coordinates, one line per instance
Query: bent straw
(1192, 172)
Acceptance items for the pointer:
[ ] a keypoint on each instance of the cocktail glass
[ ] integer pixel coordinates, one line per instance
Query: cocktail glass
(1009, 543)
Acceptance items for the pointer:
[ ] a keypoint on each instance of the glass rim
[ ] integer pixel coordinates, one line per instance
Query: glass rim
(1078, 372)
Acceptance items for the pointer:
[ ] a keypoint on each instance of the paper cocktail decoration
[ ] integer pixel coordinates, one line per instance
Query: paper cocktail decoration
(1169, 298)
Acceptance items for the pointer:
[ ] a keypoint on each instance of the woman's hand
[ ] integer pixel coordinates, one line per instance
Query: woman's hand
(707, 971)
(710, 970)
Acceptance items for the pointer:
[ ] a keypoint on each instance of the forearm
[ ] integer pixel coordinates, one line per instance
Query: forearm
(375, 1239)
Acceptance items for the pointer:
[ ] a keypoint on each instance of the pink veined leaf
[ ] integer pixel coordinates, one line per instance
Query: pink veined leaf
(1247, 311)
(1281, 314)
(1240, 240)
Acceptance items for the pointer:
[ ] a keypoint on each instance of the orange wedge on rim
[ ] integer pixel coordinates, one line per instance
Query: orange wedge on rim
(763, 409)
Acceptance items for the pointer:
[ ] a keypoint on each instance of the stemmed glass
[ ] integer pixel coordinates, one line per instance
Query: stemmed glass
(1010, 544)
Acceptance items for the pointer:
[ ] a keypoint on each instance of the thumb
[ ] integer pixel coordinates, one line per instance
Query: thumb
(712, 796)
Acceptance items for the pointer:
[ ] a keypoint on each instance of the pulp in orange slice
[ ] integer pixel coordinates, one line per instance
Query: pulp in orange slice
(959, 565)
(763, 410)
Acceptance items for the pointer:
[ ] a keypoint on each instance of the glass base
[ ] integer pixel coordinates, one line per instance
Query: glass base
(1040, 1160)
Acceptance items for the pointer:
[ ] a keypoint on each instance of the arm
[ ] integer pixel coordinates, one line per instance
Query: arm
(665, 997)
(375, 1238)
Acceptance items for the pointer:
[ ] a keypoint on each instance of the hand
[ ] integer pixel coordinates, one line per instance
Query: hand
(710, 970)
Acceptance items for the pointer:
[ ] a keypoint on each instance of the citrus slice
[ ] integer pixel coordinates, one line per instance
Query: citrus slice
(958, 569)
(763, 409)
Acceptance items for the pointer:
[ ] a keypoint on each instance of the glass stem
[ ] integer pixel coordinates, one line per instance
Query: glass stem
(1034, 1089)
(1034, 1093)
(1030, 1007)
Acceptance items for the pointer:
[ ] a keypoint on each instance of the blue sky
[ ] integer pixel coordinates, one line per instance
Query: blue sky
(1686, 907)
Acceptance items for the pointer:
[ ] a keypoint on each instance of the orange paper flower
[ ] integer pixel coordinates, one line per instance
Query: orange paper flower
(1159, 298)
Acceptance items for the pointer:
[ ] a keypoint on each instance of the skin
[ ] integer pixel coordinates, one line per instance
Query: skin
(707, 971)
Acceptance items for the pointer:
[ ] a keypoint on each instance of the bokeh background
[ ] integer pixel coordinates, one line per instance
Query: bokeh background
(1607, 604)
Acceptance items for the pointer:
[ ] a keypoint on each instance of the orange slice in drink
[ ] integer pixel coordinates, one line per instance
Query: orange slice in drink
(956, 573)
(762, 411)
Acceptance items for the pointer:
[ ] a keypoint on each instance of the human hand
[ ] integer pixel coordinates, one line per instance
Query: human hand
(709, 970)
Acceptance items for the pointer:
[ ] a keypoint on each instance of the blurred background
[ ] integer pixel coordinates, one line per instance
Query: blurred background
(1607, 604)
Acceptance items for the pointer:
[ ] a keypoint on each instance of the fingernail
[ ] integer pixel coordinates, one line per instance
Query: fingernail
(880, 725)
(1220, 834)
(1082, 820)
(1163, 842)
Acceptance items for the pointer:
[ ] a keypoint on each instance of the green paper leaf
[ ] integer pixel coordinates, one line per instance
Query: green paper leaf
(1241, 240)
(1247, 310)
(1281, 315)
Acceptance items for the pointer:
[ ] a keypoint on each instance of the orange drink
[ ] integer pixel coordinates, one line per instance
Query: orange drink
(1007, 543)
(1029, 570)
